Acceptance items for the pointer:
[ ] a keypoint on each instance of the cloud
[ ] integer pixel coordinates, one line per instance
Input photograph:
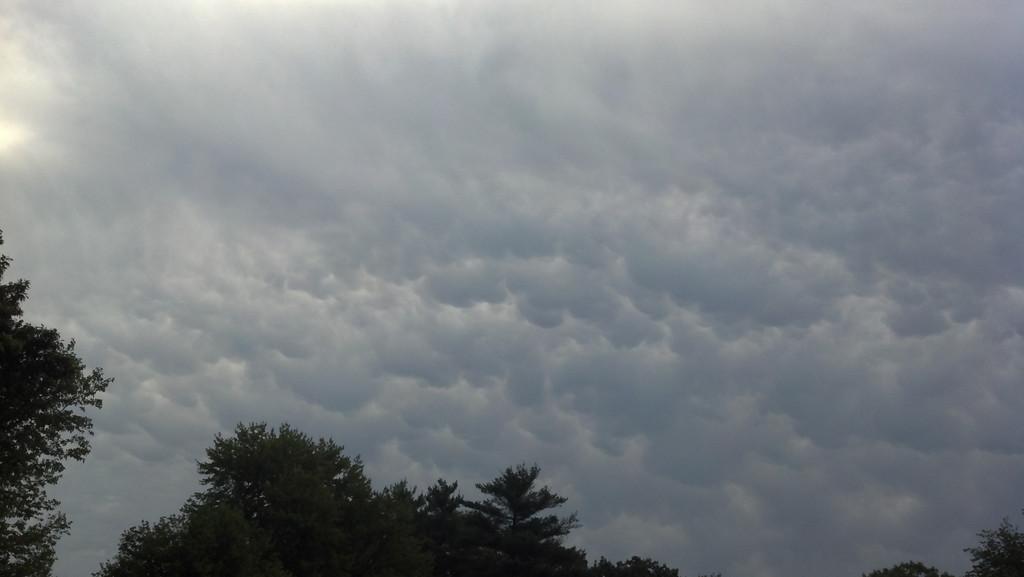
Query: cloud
(743, 279)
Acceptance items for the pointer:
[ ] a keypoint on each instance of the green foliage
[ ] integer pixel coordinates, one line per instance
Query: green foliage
(634, 567)
(443, 527)
(290, 486)
(514, 505)
(149, 549)
(390, 543)
(279, 503)
(206, 541)
(218, 542)
(908, 569)
(264, 472)
(1000, 553)
(508, 533)
(44, 391)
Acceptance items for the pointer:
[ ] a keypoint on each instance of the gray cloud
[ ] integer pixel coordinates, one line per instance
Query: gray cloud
(743, 279)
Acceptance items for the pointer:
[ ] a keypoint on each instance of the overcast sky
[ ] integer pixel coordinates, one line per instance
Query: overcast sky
(745, 279)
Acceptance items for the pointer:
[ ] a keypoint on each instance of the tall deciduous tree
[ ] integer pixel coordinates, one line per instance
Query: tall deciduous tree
(279, 503)
(1000, 553)
(202, 541)
(317, 505)
(44, 392)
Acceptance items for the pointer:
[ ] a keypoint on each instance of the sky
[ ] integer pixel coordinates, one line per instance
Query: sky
(745, 279)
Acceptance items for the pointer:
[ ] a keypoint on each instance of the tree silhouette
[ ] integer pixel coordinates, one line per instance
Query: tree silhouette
(908, 569)
(1000, 553)
(510, 534)
(279, 503)
(44, 391)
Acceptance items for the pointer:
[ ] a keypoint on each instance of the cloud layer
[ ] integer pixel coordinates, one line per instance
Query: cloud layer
(744, 279)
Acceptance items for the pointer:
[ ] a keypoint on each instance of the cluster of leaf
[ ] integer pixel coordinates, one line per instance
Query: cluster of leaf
(44, 391)
(279, 503)
(999, 554)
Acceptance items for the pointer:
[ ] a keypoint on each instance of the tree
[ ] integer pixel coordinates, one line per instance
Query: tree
(511, 535)
(202, 541)
(443, 527)
(908, 569)
(279, 503)
(391, 544)
(44, 392)
(148, 549)
(634, 567)
(302, 492)
(1000, 553)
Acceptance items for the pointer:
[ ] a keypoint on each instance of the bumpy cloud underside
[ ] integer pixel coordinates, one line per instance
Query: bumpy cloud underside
(744, 279)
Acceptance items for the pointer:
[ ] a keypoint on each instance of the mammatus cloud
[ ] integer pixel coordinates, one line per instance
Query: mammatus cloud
(744, 280)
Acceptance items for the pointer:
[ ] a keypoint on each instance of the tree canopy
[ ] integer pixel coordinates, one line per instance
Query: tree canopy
(1000, 553)
(44, 392)
(908, 569)
(512, 533)
(205, 541)
(632, 567)
(278, 503)
(315, 504)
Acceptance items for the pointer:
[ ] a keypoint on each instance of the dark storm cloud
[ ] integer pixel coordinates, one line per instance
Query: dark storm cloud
(744, 279)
